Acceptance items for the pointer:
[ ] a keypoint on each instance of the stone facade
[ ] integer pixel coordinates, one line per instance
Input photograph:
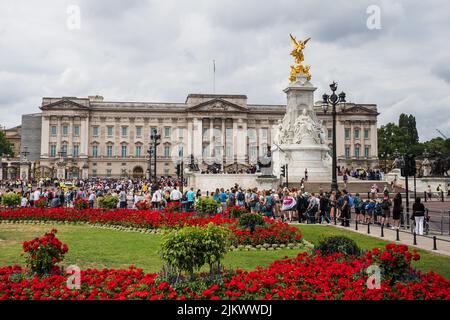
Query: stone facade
(86, 137)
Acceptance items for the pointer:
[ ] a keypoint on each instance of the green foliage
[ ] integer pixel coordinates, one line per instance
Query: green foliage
(108, 202)
(207, 205)
(189, 248)
(235, 212)
(408, 122)
(338, 244)
(251, 220)
(11, 199)
(5, 145)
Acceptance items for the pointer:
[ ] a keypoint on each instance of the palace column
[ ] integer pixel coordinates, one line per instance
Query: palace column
(211, 137)
(223, 142)
(189, 138)
(197, 139)
(84, 137)
(240, 136)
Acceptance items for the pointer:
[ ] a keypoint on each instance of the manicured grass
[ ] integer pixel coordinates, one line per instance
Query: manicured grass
(428, 261)
(102, 248)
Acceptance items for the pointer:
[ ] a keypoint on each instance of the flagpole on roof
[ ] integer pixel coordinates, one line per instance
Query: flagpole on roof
(214, 76)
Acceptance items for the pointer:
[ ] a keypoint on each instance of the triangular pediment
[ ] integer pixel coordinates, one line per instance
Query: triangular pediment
(64, 104)
(359, 109)
(217, 105)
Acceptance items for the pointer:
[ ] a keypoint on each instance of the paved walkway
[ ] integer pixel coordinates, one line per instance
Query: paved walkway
(423, 242)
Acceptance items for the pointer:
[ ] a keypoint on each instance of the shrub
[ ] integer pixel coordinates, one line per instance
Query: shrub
(81, 204)
(42, 254)
(11, 199)
(206, 205)
(108, 202)
(235, 212)
(172, 207)
(338, 244)
(189, 248)
(250, 221)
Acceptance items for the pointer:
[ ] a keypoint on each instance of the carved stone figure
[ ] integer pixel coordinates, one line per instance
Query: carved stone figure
(304, 127)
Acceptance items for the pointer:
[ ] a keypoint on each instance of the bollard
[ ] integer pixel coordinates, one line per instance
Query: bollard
(442, 224)
(368, 228)
(398, 235)
(356, 224)
(425, 196)
(382, 230)
(442, 196)
(415, 238)
(407, 220)
(434, 243)
(335, 222)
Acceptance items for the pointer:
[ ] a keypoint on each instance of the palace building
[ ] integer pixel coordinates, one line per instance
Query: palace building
(91, 137)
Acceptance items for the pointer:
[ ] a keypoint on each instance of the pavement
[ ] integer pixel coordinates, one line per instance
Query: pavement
(406, 237)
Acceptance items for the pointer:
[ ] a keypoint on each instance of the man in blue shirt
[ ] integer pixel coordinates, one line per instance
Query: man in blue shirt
(190, 195)
(223, 199)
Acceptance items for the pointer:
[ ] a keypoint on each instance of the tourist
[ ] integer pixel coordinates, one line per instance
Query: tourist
(122, 199)
(306, 174)
(302, 204)
(358, 204)
(24, 202)
(345, 210)
(36, 196)
(397, 210)
(345, 178)
(448, 190)
(418, 215)
(190, 196)
(324, 203)
(157, 199)
(223, 200)
(240, 198)
(386, 210)
(175, 195)
(288, 205)
(277, 203)
(429, 194)
(312, 211)
(333, 205)
(92, 198)
(268, 204)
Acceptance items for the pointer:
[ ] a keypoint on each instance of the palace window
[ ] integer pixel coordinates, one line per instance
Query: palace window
(108, 172)
(357, 154)
(264, 134)
(95, 131)
(76, 150)
(95, 151)
(64, 149)
(124, 131)
(110, 131)
(53, 130)
(356, 133)
(347, 152)
(124, 151)
(366, 133)
(53, 150)
(180, 151)
(65, 130)
(367, 152)
(167, 132)
(166, 151)
(76, 131)
(109, 151)
(138, 151)
(138, 132)
(330, 133)
(347, 133)
(94, 172)
(180, 132)
(229, 152)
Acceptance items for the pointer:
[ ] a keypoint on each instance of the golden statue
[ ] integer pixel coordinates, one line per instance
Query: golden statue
(297, 53)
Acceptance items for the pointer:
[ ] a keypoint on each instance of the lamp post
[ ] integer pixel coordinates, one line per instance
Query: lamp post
(333, 100)
(25, 153)
(156, 141)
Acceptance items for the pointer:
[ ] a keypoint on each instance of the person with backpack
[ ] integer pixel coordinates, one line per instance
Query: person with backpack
(268, 204)
(370, 210)
(385, 210)
(345, 210)
(240, 197)
(358, 203)
(324, 203)
(253, 201)
(418, 216)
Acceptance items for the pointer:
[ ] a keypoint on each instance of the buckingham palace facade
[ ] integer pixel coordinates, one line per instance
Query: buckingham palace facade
(91, 137)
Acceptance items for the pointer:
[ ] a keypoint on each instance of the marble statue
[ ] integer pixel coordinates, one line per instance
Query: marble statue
(304, 127)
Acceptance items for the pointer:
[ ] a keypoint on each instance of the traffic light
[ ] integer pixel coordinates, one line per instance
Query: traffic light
(409, 166)
(283, 170)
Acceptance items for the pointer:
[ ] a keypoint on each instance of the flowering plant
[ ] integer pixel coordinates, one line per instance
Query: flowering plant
(142, 205)
(42, 254)
(41, 203)
(81, 204)
(235, 211)
(394, 261)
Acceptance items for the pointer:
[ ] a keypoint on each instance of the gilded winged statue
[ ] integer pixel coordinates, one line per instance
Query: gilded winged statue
(297, 53)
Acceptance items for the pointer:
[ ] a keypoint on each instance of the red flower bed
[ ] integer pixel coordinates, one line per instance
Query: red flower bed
(274, 232)
(308, 276)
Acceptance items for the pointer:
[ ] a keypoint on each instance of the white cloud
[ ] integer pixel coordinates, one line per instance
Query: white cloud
(163, 50)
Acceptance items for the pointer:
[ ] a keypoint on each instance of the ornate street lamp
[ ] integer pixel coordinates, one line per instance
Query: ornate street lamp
(333, 100)
(155, 141)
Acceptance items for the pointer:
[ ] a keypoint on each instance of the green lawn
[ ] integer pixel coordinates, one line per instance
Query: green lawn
(428, 261)
(102, 248)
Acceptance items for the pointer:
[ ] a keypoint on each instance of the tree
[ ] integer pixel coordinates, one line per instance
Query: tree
(5, 145)
(408, 122)
(437, 145)
(391, 138)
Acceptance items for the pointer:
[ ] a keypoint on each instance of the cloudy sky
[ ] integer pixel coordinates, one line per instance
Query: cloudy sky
(139, 50)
